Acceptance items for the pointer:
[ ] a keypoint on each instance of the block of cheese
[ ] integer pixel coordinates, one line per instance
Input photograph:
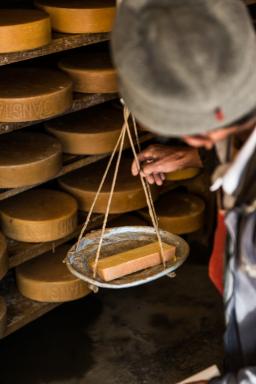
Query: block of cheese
(28, 158)
(183, 174)
(128, 195)
(134, 260)
(179, 212)
(47, 279)
(92, 131)
(80, 16)
(91, 71)
(38, 215)
(3, 256)
(3, 317)
(23, 29)
(29, 94)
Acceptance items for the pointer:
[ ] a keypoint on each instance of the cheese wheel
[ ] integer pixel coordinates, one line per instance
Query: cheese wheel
(38, 215)
(89, 132)
(23, 29)
(3, 256)
(29, 94)
(179, 212)
(28, 158)
(128, 195)
(80, 16)
(3, 317)
(183, 174)
(91, 71)
(47, 278)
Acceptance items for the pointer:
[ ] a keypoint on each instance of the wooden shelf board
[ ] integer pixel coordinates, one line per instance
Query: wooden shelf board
(60, 42)
(81, 101)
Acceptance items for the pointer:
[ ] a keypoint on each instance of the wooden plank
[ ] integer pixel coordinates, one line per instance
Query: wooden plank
(81, 101)
(61, 42)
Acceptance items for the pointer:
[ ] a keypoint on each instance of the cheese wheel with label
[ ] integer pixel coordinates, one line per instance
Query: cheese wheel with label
(23, 29)
(89, 132)
(38, 215)
(28, 158)
(3, 317)
(179, 212)
(183, 174)
(91, 71)
(30, 94)
(47, 279)
(3, 256)
(128, 195)
(80, 16)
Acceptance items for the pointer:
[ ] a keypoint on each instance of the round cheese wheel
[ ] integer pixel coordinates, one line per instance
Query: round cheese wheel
(3, 317)
(47, 278)
(179, 212)
(29, 94)
(91, 71)
(23, 29)
(88, 132)
(38, 215)
(128, 195)
(80, 16)
(28, 158)
(3, 256)
(183, 174)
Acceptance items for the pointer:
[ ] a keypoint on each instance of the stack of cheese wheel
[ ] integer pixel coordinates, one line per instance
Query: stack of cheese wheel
(29, 94)
(47, 279)
(38, 215)
(80, 16)
(128, 195)
(3, 256)
(91, 71)
(23, 29)
(3, 317)
(183, 174)
(179, 212)
(88, 132)
(28, 158)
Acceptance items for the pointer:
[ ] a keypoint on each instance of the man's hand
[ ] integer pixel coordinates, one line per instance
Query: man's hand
(159, 159)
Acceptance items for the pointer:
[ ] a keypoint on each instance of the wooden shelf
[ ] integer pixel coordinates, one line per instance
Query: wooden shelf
(81, 101)
(61, 42)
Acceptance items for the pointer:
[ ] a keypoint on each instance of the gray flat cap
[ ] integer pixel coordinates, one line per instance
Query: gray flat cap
(185, 66)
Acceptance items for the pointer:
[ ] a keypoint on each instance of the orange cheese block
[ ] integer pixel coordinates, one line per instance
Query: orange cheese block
(179, 212)
(183, 174)
(91, 71)
(134, 260)
(128, 195)
(3, 256)
(23, 29)
(28, 158)
(92, 131)
(3, 317)
(29, 94)
(38, 215)
(47, 279)
(80, 16)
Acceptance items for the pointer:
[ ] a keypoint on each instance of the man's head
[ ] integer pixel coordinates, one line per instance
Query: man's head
(186, 67)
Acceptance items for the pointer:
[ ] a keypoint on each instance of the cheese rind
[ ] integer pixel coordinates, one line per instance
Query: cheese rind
(80, 16)
(28, 158)
(133, 260)
(3, 317)
(92, 131)
(3, 256)
(38, 215)
(47, 279)
(30, 94)
(23, 29)
(91, 71)
(128, 194)
(183, 174)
